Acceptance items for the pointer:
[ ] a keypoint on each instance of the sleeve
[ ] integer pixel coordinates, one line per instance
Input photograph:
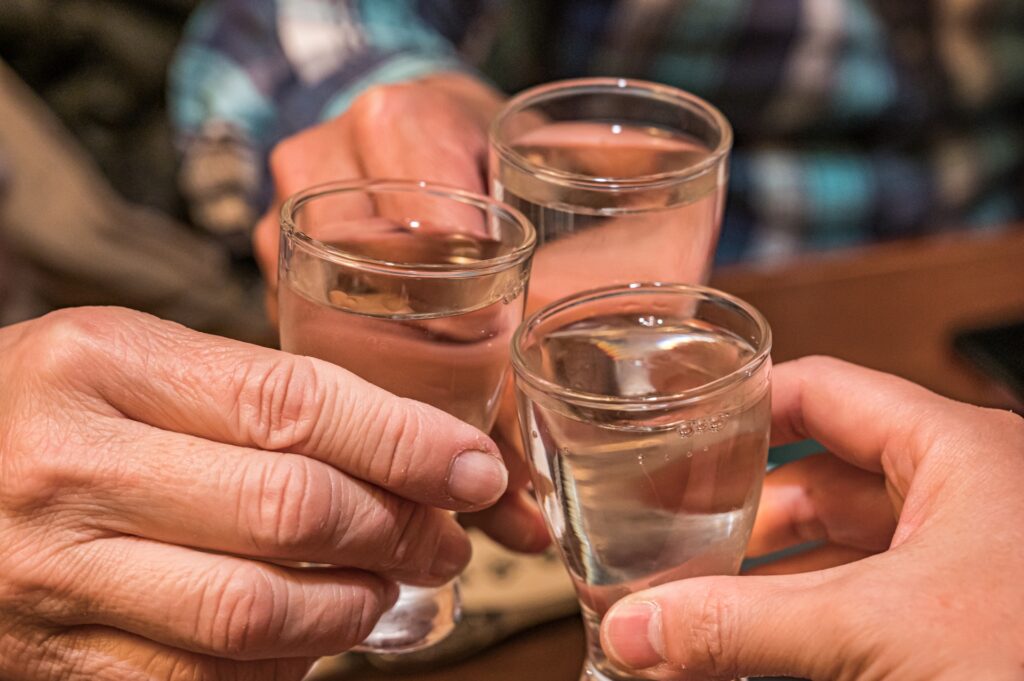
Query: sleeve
(251, 72)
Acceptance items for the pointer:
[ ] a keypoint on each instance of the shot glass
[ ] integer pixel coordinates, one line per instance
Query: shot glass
(417, 289)
(624, 181)
(645, 410)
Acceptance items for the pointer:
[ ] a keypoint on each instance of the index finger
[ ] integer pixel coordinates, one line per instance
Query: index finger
(856, 413)
(170, 377)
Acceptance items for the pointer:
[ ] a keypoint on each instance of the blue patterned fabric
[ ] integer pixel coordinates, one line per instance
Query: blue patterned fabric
(856, 120)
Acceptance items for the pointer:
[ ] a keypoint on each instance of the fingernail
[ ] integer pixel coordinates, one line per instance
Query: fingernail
(477, 478)
(453, 554)
(633, 636)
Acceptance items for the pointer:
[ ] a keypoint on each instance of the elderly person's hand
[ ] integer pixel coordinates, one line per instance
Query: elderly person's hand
(934, 485)
(152, 478)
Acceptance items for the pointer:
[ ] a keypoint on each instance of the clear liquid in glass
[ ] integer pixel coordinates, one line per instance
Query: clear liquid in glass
(613, 234)
(442, 341)
(436, 340)
(634, 500)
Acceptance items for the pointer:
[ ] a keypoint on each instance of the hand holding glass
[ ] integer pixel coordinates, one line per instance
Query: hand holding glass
(417, 289)
(645, 412)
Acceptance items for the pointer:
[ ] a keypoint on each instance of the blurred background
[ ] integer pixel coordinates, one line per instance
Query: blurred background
(877, 179)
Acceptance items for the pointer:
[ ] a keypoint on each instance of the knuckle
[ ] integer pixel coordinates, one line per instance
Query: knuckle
(63, 339)
(710, 642)
(57, 416)
(76, 347)
(282, 153)
(289, 159)
(29, 485)
(246, 614)
(48, 458)
(43, 462)
(26, 585)
(278, 402)
(294, 507)
(380, 99)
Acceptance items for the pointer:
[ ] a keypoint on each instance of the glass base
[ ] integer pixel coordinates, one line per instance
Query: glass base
(591, 673)
(421, 618)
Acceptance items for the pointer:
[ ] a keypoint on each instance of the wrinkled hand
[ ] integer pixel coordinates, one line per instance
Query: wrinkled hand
(935, 482)
(434, 129)
(144, 470)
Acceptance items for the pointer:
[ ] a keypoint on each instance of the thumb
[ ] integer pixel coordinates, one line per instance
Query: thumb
(728, 627)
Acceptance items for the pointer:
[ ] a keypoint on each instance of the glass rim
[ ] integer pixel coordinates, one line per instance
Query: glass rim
(684, 397)
(647, 90)
(518, 254)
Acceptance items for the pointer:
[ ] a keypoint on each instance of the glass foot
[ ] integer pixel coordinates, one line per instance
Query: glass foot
(421, 618)
(591, 673)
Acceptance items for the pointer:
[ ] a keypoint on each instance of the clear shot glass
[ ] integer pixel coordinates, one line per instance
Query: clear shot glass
(417, 289)
(624, 180)
(645, 410)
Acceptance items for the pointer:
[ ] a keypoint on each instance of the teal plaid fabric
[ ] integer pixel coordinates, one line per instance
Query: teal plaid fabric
(856, 120)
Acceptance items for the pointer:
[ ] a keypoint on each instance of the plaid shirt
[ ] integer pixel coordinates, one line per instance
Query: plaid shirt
(856, 120)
